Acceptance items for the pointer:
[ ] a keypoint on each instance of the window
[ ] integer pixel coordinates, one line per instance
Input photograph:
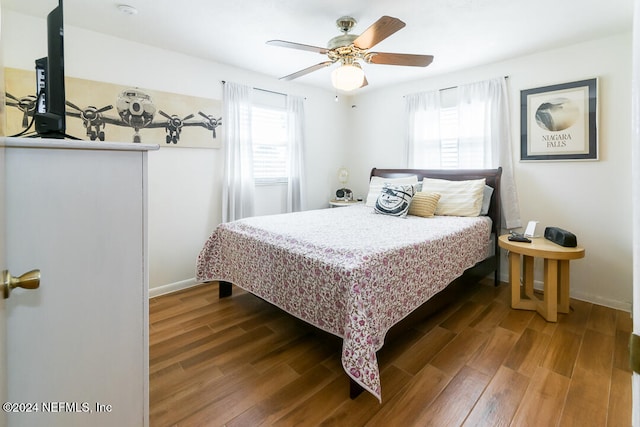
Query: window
(443, 141)
(465, 127)
(269, 133)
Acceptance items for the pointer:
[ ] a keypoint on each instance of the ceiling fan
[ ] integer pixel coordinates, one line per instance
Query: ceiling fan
(349, 49)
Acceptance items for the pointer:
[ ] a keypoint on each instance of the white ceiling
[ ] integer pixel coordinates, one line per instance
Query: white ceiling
(459, 33)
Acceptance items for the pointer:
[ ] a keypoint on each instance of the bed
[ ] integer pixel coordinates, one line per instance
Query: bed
(353, 272)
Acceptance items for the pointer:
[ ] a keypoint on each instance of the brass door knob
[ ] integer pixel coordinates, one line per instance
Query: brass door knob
(29, 280)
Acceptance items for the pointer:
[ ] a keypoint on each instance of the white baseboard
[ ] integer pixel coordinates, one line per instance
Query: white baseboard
(598, 300)
(594, 299)
(172, 287)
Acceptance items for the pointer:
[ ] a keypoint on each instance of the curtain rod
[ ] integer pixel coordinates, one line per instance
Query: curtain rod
(264, 90)
(453, 87)
(450, 87)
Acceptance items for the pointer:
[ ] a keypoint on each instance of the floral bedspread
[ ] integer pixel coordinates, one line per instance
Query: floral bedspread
(348, 270)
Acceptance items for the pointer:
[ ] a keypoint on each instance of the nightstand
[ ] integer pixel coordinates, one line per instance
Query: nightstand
(334, 203)
(556, 275)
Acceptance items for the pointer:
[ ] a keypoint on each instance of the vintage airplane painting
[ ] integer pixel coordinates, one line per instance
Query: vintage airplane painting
(102, 111)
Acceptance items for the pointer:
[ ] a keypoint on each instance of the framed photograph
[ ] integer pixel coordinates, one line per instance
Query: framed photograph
(559, 122)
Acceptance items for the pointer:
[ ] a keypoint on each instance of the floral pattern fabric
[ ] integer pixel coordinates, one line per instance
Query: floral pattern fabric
(346, 270)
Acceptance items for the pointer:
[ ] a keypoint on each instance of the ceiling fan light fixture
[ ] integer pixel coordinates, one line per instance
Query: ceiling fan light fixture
(347, 77)
(347, 49)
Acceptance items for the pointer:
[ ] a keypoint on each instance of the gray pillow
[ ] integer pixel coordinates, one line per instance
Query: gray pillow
(486, 201)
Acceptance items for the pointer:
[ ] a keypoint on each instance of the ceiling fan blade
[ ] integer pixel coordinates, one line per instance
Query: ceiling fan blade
(378, 31)
(307, 70)
(400, 59)
(292, 45)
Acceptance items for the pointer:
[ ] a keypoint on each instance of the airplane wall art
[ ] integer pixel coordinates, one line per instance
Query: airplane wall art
(99, 111)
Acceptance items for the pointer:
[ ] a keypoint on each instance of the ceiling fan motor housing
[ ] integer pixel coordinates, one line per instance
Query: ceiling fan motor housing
(341, 41)
(346, 23)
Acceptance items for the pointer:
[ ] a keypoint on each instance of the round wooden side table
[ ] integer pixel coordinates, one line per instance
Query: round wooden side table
(556, 275)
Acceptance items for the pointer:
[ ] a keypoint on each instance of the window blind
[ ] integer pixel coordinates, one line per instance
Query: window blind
(450, 144)
(269, 132)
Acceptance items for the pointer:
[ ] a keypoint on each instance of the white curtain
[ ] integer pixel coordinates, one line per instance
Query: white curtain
(295, 137)
(482, 110)
(494, 119)
(423, 108)
(238, 186)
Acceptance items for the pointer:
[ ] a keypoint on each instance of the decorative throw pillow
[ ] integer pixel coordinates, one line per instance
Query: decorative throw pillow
(377, 182)
(395, 199)
(457, 198)
(424, 204)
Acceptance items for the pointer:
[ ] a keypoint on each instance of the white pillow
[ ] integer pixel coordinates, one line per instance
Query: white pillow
(377, 182)
(457, 198)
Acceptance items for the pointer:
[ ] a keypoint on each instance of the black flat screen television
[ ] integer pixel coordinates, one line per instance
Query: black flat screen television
(49, 117)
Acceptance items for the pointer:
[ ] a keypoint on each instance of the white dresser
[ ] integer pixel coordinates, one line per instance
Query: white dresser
(78, 345)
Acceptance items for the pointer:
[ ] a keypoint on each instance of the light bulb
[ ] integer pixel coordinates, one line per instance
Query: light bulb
(347, 77)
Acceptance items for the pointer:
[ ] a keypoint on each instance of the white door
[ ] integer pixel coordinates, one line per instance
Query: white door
(77, 348)
(3, 340)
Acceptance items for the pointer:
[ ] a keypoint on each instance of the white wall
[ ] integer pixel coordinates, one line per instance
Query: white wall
(185, 183)
(590, 199)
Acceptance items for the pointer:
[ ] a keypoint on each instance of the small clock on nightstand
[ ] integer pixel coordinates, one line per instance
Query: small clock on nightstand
(344, 194)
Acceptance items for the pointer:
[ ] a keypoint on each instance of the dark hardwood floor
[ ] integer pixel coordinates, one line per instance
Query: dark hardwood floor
(242, 362)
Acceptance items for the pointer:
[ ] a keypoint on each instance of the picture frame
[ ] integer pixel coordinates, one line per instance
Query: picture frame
(559, 122)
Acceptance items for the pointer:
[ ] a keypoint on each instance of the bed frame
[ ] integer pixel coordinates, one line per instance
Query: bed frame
(471, 275)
